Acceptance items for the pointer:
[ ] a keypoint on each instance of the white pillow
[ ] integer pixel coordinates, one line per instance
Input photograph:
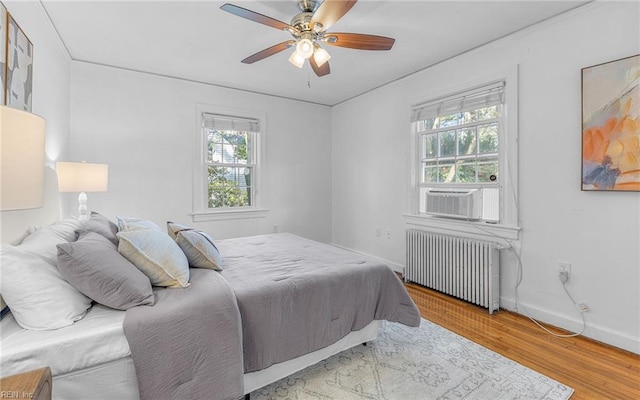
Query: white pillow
(43, 241)
(157, 255)
(36, 293)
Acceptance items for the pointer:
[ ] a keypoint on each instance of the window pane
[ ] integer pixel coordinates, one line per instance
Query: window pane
(488, 137)
(481, 114)
(430, 146)
(228, 147)
(466, 141)
(449, 120)
(447, 143)
(427, 124)
(229, 187)
(447, 171)
(214, 146)
(466, 171)
(429, 172)
(488, 169)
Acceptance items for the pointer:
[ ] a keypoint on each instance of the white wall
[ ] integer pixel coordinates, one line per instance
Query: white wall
(51, 100)
(598, 232)
(144, 127)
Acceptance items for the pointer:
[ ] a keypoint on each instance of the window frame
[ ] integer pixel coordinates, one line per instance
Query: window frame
(201, 210)
(508, 227)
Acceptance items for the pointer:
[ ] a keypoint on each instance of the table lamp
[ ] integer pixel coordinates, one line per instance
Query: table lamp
(82, 177)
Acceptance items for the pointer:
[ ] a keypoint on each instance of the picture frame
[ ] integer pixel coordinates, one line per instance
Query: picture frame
(3, 52)
(19, 67)
(611, 125)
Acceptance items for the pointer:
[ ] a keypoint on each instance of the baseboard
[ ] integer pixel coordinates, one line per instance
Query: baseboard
(593, 331)
(394, 266)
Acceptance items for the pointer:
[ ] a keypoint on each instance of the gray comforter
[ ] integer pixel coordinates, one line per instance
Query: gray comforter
(188, 346)
(296, 295)
(280, 296)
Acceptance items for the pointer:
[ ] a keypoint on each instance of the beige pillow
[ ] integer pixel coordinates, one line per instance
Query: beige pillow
(126, 224)
(154, 253)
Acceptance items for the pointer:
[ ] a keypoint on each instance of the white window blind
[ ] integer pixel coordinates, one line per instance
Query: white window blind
(229, 123)
(485, 96)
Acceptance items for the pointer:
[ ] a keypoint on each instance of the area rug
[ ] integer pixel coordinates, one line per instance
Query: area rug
(423, 363)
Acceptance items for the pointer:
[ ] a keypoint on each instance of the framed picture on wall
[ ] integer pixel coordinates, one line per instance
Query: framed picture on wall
(611, 125)
(19, 78)
(3, 52)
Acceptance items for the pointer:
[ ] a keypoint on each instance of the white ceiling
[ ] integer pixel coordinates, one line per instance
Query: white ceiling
(197, 41)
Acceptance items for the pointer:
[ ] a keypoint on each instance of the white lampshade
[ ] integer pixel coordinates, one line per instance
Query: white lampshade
(320, 56)
(22, 162)
(296, 59)
(82, 177)
(304, 48)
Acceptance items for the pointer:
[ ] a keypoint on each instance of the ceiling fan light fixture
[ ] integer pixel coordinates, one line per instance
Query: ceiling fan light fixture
(304, 48)
(309, 31)
(320, 56)
(296, 59)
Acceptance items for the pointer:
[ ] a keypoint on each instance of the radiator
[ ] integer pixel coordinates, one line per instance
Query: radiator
(461, 267)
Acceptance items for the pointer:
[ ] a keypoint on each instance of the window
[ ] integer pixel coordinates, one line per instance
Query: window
(227, 168)
(230, 160)
(463, 155)
(461, 147)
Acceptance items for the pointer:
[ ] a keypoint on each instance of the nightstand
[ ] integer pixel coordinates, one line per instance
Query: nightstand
(34, 385)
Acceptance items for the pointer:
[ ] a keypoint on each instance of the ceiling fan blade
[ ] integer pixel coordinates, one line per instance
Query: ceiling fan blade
(359, 41)
(254, 16)
(319, 70)
(330, 11)
(269, 52)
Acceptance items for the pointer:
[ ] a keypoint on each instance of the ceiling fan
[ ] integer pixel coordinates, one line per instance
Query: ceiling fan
(309, 31)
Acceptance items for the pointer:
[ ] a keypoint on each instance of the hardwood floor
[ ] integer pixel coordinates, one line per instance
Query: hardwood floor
(594, 370)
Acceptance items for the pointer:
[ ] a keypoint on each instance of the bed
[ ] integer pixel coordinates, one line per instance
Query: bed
(277, 304)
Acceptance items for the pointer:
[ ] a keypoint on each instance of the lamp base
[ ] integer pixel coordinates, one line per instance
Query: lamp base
(83, 215)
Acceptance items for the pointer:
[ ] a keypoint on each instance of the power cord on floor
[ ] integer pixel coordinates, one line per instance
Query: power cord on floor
(563, 281)
(526, 312)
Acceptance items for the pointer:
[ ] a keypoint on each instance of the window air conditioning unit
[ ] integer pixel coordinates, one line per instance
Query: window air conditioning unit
(453, 203)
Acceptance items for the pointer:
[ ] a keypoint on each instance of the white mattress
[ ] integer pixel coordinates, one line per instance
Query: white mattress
(96, 339)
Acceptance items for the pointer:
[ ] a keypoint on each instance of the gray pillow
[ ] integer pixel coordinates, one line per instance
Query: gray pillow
(197, 245)
(98, 223)
(94, 267)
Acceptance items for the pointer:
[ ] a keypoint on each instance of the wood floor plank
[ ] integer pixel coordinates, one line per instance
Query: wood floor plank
(594, 370)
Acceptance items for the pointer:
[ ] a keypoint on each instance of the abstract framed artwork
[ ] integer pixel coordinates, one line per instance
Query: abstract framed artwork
(611, 126)
(3, 51)
(19, 70)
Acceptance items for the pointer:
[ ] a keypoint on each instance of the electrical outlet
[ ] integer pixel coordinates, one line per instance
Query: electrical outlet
(377, 231)
(564, 267)
(563, 276)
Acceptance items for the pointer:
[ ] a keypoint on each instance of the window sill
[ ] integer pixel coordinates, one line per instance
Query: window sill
(221, 215)
(480, 230)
